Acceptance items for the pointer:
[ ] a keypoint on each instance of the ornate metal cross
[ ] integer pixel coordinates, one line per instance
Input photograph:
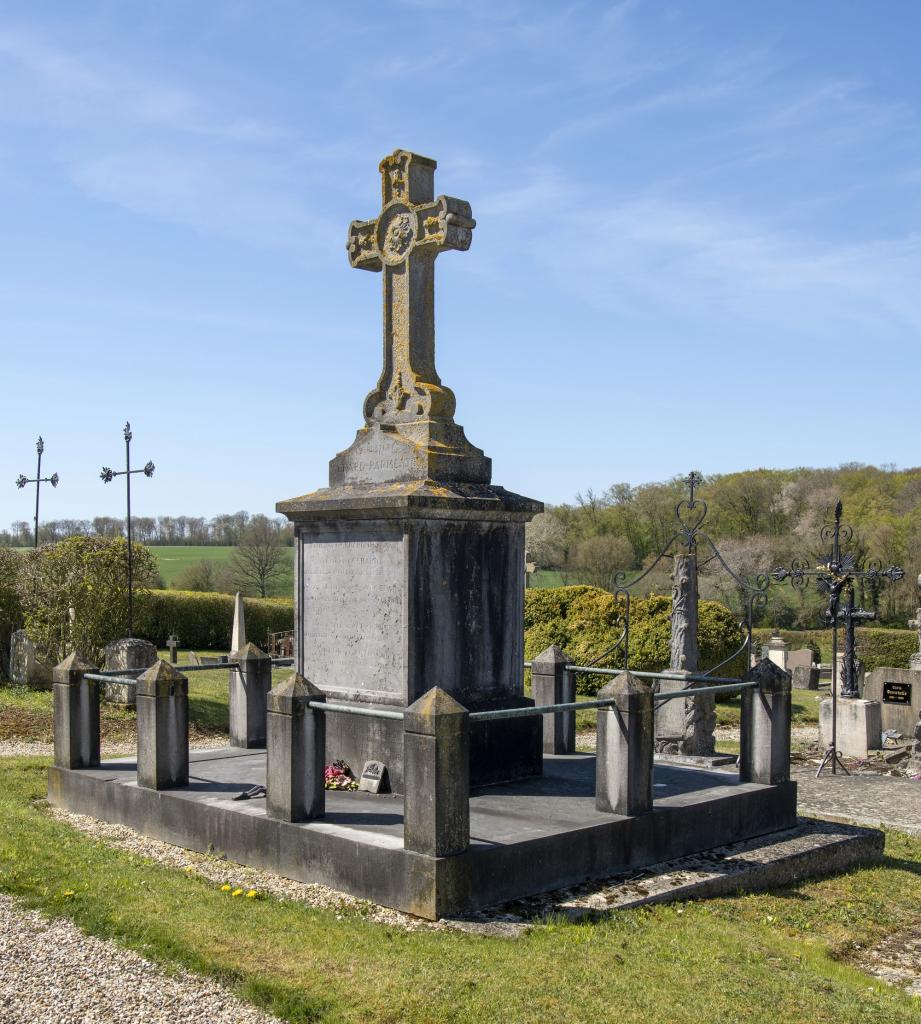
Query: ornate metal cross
(38, 481)
(836, 578)
(107, 476)
(411, 230)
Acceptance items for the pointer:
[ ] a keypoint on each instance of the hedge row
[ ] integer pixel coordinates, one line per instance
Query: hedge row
(204, 620)
(585, 621)
(876, 648)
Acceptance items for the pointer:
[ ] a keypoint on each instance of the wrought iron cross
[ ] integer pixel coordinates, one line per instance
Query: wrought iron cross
(836, 578)
(38, 481)
(107, 476)
(411, 230)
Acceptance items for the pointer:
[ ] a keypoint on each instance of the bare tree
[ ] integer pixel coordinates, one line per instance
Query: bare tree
(261, 557)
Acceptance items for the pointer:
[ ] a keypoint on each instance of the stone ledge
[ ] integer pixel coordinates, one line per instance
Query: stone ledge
(420, 499)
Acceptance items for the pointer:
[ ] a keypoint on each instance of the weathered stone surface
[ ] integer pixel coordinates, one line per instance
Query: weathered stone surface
(238, 631)
(859, 726)
(806, 678)
(685, 726)
(26, 668)
(410, 433)
(130, 653)
(76, 713)
(436, 811)
(552, 684)
(163, 727)
(623, 766)
(249, 688)
(800, 658)
(778, 651)
(914, 761)
(902, 717)
(764, 747)
(295, 751)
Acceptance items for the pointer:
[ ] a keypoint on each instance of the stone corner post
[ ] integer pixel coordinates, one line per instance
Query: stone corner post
(295, 751)
(552, 684)
(76, 714)
(163, 727)
(249, 691)
(764, 754)
(623, 766)
(436, 757)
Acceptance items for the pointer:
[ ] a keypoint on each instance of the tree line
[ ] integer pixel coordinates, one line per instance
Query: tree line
(759, 519)
(226, 529)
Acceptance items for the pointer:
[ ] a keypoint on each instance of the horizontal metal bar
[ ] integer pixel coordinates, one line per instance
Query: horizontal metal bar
(527, 664)
(98, 677)
(542, 709)
(216, 667)
(351, 709)
(695, 690)
(679, 676)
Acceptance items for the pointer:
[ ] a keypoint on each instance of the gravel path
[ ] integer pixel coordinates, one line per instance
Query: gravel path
(54, 974)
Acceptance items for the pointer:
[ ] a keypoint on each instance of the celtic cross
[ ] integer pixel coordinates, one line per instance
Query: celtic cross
(412, 228)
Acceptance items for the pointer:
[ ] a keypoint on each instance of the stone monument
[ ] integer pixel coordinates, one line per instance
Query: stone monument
(410, 565)
(685, 726)
(914, 661)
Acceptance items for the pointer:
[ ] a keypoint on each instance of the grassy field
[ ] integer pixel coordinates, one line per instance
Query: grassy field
(173, 559)
(789, 957)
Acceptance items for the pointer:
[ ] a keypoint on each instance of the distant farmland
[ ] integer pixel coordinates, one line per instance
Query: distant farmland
(173, 559)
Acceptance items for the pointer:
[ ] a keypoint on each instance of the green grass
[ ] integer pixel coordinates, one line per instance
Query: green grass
(782, 957)
(804, 705)
(173, 559)
(27, 714)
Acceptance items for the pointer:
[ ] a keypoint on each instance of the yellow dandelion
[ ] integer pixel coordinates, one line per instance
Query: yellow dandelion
(237, 892)
(225, 888)
(251, 895)
(67, 892)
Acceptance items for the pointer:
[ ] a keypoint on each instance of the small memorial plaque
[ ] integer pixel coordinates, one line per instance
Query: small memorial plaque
(373, 778)
(896, 693)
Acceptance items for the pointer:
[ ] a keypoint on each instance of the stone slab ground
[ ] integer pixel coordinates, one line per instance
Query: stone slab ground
(527, 837)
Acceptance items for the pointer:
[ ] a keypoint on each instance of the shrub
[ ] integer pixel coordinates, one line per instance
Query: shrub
(204, 620)
(11, 614)
(89, 576)
(876, 647)
(586, 621)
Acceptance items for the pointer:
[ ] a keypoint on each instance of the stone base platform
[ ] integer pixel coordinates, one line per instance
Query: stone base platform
(527, 837)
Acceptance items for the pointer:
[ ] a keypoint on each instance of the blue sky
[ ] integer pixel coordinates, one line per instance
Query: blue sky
(714, 203)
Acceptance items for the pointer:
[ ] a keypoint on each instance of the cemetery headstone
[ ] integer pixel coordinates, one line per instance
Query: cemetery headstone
(126, 654)
(898, 691)
(173, 644)
(373, 778)
(410, 565)
(26, 668)
(238, 632)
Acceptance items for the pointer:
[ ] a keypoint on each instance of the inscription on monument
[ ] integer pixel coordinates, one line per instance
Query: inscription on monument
(352, 608)
(896, 693)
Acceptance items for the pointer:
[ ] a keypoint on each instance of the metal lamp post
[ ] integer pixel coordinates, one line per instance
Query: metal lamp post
(107, 476)
(38, 481)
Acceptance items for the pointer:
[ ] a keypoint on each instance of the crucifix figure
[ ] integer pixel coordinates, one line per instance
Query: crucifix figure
(38, 481)
(851, 615)
(410, 406)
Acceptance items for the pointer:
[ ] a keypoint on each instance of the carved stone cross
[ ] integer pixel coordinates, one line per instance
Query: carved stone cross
(411, 230)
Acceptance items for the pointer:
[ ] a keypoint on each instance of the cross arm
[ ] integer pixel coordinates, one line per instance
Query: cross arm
(361, 245)
(447, 223)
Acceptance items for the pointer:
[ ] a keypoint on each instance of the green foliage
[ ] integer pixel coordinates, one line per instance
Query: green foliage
(876, 648)
(90, 576)
(204, 620)
(11, 613)
(585, 621)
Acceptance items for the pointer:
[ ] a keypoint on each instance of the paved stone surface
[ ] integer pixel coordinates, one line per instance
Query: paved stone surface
(54, 974)
(866, 799)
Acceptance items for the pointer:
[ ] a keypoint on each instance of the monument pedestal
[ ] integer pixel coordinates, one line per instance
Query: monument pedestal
(859, 726)
(407, 586)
